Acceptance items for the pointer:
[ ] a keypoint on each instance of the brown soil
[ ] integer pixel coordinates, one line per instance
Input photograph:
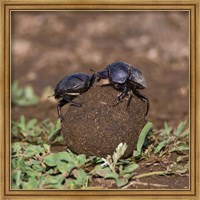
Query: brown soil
(152, 182)
(47, 46)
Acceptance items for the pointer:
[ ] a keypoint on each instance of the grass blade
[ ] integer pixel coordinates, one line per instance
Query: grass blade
(180, 128)
(141, 138)
(167, 128)
(160, 146)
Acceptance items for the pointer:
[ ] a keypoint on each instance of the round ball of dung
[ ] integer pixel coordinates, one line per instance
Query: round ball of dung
(98, 127)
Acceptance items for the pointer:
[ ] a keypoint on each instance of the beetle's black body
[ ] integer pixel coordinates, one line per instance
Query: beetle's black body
(70, 87)
(125, 78)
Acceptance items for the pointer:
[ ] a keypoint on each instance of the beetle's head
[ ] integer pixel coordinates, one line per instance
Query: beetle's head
(56, 95)
(102, 75)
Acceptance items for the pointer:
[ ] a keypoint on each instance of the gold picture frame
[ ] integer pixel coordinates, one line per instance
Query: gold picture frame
(7, 7)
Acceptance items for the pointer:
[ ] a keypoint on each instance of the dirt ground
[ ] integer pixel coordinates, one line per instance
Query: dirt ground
(47, 46)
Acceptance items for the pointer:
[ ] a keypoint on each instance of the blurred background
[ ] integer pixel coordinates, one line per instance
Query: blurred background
(47, 46)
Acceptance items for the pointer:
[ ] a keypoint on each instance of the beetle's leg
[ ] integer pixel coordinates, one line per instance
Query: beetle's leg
(142, 97)
(61, 103)
(122, 95)
(129, 99)
(75, 104)
(72, 102)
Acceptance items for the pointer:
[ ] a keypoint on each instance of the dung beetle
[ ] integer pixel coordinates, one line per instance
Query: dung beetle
(70, 87)
(125, 78)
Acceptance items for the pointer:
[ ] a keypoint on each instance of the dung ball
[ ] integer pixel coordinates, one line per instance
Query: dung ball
(98, 127)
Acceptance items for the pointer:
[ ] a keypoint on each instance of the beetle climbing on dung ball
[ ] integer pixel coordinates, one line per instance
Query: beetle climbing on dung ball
(70, 87)
(125, 78)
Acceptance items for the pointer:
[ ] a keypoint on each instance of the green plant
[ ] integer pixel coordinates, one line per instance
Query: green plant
(36, 167)
(23, 96)
(142, 138)
(168, 140)
(34, 132)
(114, 169)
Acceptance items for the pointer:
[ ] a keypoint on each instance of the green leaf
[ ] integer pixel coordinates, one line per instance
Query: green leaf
(32, 173)
(64, 167)
(38, 168)
(167, 128)
(54, 130)
(121, 181)
(31, 184)
(184, 147)
(32, 162)
(160, 146)
(47, 148)
(111, 174)
(65, 156)
(50, 160)
(17, 163)
(105, 172)
(22, 123)
(182, 159)
(52, 133)
(81, 177)
(57, 139)
(58, 124)
(130, 168)
(71, 184)
(101, 171)
(53, 181)
(185, 133)
(95, 159)
(81, 160)
(31, 151)
(180, 148)
(17, 178)
(142, 137)
(119, 152)
(31, 123)
(23, 96)
(16, 148)
(180, 128)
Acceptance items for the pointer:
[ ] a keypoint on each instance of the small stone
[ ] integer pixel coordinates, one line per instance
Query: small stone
(98, 127)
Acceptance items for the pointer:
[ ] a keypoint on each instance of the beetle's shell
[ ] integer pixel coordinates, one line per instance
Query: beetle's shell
(137, 77)
(121, 72)
(75, 83)
(118, 72)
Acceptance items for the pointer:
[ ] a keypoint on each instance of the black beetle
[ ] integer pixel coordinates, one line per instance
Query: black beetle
(70, 87)
(125, 78)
